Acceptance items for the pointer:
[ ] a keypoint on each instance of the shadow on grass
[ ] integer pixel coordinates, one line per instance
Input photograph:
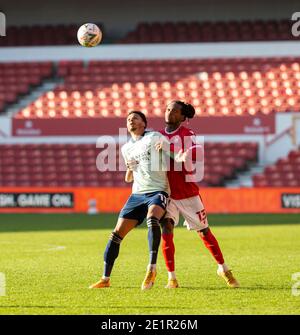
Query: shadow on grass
(53, 222)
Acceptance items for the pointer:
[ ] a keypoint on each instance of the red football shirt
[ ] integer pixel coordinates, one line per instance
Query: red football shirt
(181, 138)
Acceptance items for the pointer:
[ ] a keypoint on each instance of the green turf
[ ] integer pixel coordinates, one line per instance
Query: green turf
(263, 251)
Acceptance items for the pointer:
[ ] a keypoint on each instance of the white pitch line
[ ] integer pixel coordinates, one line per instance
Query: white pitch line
(57, 248)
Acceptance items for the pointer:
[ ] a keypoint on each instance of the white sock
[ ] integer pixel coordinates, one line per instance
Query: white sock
(171, 275)
(105, 278)
(223, 267)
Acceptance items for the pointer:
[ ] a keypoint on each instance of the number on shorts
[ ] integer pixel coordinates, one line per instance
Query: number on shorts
(163, 199)
(202, 215)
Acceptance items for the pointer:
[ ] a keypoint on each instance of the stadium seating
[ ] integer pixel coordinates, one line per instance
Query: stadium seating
(178, 32)
(59, 165)
(38, 35)
(216, 87)
(16, 79)
(285, 172)
(167, 32)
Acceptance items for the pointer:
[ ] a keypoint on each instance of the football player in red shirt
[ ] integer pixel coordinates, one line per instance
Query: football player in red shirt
(185, 198)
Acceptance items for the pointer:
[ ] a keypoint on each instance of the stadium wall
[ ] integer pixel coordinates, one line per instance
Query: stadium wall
(152, 51)
(5, 127)
(278, 145)
(118, 17)
(253, 129)
(111, 200)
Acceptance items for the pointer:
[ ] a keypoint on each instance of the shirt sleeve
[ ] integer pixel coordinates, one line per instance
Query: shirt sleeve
(123, 151)
(195, 151)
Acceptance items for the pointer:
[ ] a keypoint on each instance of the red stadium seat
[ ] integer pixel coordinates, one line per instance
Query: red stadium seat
(69, 165)
(18, 78)
(209, 31)
(238, 87)
(285, 173)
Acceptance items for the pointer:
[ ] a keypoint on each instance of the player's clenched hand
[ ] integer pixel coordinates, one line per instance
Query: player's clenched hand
(158, 146)
(162, 145)
(132, 164)
(181, 156)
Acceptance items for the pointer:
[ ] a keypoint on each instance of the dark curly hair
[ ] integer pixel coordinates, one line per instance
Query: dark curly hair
(186, 109)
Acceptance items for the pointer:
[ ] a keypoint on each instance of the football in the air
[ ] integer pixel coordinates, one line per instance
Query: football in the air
(89, 35)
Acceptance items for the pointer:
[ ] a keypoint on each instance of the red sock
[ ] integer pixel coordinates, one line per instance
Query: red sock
(168, 250)
(212, 245)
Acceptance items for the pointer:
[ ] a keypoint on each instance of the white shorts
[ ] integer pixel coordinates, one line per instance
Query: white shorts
(191, 209)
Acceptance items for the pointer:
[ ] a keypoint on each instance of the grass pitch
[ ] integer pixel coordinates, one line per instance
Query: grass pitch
(50, 260)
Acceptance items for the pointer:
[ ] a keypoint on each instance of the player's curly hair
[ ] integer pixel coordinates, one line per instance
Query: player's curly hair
(186, 109)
